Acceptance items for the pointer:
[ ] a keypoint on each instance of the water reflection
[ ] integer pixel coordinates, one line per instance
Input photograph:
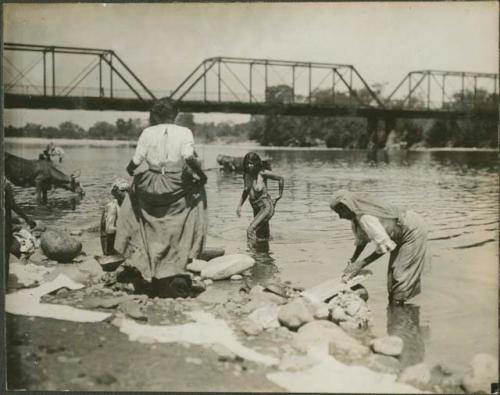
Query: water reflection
(404, 321)
(265, 266)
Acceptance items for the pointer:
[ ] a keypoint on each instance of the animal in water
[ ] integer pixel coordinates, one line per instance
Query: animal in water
(235, 163)
(41, 174)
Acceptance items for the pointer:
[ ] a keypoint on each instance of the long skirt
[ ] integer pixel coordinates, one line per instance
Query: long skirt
(263, 210)
(162, 223)
(408, 259)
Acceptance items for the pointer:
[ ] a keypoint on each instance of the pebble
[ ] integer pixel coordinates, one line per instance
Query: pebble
(76, 232)
(236, 277)
(387, 345)
(322, 313)
(106, 379)
(208, 281)
(65, 359)
(251, 328)
(195, 361)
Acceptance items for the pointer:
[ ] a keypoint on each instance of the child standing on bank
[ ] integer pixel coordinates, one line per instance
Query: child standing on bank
(110, 216)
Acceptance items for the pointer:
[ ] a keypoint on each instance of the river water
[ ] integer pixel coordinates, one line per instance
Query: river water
(456, 315)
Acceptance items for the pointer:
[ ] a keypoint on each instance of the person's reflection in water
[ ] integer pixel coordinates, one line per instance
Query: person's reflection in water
(264, 263)
(404, 321)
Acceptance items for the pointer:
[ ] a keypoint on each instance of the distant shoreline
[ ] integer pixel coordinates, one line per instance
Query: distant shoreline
(249, 144)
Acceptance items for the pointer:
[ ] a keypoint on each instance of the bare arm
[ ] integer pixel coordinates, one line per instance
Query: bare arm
(195, 166)
(357, 252)
(276, 177)
(244, 195)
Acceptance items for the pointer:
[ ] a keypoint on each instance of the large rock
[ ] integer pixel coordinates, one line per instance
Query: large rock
(197, 265)
(260, 298)
(59, 246)
(481, 372)
(388, 345)
(213, 296)
(326, 335)
(419, 376)
(211, 253)
(266, 316)
(295, 314)
(382, 363)
(225, 266)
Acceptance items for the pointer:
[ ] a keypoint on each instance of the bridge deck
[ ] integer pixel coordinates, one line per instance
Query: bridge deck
(300, 109)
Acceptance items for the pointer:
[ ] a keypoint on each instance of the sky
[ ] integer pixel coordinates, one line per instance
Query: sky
(162, 43)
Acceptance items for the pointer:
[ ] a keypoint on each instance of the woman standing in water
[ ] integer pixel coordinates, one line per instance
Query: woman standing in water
(400, 232)
(255, 186)
(163, 220)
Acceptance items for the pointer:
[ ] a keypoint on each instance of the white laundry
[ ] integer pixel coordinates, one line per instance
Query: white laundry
(331, 376)
(206, 330)
(27, 302)
(28, 274)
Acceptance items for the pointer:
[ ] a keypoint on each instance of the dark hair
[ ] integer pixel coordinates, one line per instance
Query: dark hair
(163, 111)
(254, 159)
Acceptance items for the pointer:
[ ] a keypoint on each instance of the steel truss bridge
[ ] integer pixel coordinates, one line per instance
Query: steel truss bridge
(36, 77)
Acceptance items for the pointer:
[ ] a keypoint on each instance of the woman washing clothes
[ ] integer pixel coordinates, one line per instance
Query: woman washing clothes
(402, 233)
(255, 187)
(163, 220)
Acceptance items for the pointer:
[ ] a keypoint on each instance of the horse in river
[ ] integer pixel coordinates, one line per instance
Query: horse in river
(41, 174)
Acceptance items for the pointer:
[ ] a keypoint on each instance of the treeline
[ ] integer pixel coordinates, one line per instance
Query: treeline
(352, 132)
(131, 129)
(303, 131)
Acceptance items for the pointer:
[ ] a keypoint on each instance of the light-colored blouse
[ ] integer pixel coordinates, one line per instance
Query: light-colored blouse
(164, 143)
(370, 229)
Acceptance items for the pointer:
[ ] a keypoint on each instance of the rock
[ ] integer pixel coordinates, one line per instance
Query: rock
(106, 379)
(295, 314)
(195, 361)
(251, 328)
(347, 306)
(481, 372)
(76, 232)
(417, 375)
(259, 298)
(133, 310)
(211, 253)
(350, 325)
(59, 246)
(65, 359)
(387, 345)
(296, 362)
(224, 354)
(225, 266)
(236, 277)
(266, 316)
(92, 302)
(326, 335)
(382, 363)
(361, 292)
(207, 281)
(322, 312)
(214, 296)
(196, 266)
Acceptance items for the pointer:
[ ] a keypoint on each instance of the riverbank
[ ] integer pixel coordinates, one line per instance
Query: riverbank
(248, 144)
(229, 332)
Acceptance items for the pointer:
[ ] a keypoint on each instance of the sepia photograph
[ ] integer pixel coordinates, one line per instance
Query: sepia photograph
(250, 197)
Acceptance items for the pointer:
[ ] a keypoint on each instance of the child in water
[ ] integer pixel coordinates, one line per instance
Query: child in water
(255, 187)
(110, 216)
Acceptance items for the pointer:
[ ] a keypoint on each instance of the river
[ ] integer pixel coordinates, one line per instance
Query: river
(456, 315)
